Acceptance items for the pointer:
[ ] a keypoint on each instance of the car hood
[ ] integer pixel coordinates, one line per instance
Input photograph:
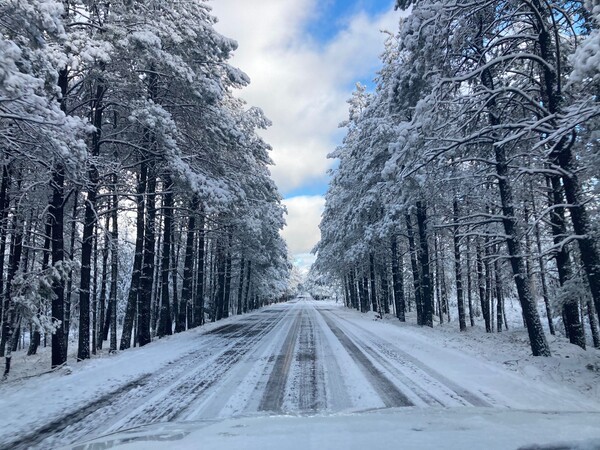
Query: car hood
(406, 428)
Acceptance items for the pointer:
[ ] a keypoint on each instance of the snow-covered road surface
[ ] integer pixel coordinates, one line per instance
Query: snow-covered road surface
(299, 358)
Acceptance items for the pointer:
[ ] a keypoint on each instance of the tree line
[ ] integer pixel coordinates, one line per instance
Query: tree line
(135, 193)
(470, 173)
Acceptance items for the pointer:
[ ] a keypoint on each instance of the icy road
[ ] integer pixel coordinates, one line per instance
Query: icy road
(299, 358)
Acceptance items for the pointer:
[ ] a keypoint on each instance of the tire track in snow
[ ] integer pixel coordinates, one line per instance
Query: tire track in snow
(386, 389)
(440, 395)
(109, 416)
(272, 399)
(174, 402)
(305, 389)
(233, 394)
(311, 396)
(39, 435)
(384, 352)
(343, 390)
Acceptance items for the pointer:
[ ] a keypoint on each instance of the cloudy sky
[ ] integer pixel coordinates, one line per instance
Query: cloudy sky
(304, 58)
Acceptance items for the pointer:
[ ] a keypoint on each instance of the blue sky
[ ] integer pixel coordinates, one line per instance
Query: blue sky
(304, 58)
(327, 21)
(331, 16)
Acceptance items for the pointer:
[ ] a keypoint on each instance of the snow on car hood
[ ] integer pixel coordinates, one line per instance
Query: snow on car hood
(406, 428)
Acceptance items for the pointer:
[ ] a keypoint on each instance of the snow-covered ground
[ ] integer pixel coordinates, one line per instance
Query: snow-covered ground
(326, 364)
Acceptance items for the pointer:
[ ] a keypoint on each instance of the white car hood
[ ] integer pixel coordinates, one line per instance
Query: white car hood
(406, 428)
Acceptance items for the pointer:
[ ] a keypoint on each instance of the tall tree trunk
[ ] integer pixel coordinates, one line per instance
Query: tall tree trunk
(364, 294)
(458, 272)
(499, 296)
(175, 254)
(90, 218)
(219, 297)
(95, 293)
(145, 293)
(227, 291)
(36, 339)
(156, 279)
(424, 266)
(147, 275)
(415, 271)
(469, 286)
(114, 271)
(542, 266)
(482, 291)
(83, 347)
(398, 281)
(35, 342)
(29, 264)
(444, 287)
(489, 297)
(240, 293)
(563, 264)
(103, 284)
(199, 297)
(347, 302)
(110, 249)
(438, 282)
(211, 276)
(56, 211)
(12, 316)
(537, 339)
(528, 253)
(70, 277)
(4, 303)
(593, 323)
(165, 326)
(248, 279)
(136, 274)
(581, 225)
(385, 290)
(36, 336)
(353, 291)
(15, 327)
(561, 155)
(374, 303)
(188, 268)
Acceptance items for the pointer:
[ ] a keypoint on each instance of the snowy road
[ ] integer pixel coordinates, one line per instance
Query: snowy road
(302, 357)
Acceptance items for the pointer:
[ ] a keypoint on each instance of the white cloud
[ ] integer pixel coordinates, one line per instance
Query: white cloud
(302, 232)
(301, 85)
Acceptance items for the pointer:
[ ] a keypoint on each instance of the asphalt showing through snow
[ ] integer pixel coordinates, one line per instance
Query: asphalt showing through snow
(298, 358)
